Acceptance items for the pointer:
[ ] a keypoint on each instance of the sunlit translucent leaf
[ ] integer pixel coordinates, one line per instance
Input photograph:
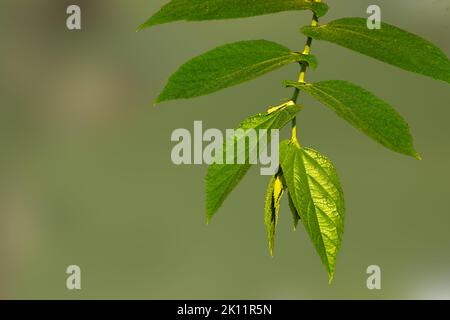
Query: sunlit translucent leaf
(389, 44)
(227, 66)
(198, 10)
(316, 193)
(364, 111)
(221, 179)
(274, 193)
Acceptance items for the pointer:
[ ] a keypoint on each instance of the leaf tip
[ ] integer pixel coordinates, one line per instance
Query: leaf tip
(156, 102)
(147, 24)
(330, 277)
(413, 153)
(161, 98)
(139, 28)
(209, 214)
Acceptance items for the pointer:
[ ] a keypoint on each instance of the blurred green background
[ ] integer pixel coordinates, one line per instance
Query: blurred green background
(86, 176)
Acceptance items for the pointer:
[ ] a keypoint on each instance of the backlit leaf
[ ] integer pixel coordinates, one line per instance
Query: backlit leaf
(199, 10)
(227, 66)
(316, 193)
(388, 44)
(364, 111)
(274, 193)
(221, 179)
(295, 215)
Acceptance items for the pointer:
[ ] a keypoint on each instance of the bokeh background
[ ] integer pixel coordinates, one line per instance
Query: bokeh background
(86, 176)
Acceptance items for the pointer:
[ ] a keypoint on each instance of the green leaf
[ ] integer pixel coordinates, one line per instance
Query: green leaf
(227, 66)
(364, 111)
(199, 10)
(221, 179)
(388, 44)
(295, 215)
(274, 193)
(316, 193)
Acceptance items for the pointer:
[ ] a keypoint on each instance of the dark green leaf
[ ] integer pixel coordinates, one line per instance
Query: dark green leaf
(316, 193)
(199, 10)
(389, 44)
(274, 193)
(364, 111)
(221, 179)
(227, 66)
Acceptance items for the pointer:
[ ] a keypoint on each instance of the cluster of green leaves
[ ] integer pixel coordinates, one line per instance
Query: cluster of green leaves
(308, 178)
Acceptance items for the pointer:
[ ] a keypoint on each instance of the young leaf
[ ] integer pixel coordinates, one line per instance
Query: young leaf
(227, 66)
(274, 193)
(316, 193)
(199, 10)
(388, 44)
(221, 179)
(295, 215)
(364, 111)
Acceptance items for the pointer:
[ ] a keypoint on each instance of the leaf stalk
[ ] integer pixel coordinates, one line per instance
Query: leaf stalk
(302, 77)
